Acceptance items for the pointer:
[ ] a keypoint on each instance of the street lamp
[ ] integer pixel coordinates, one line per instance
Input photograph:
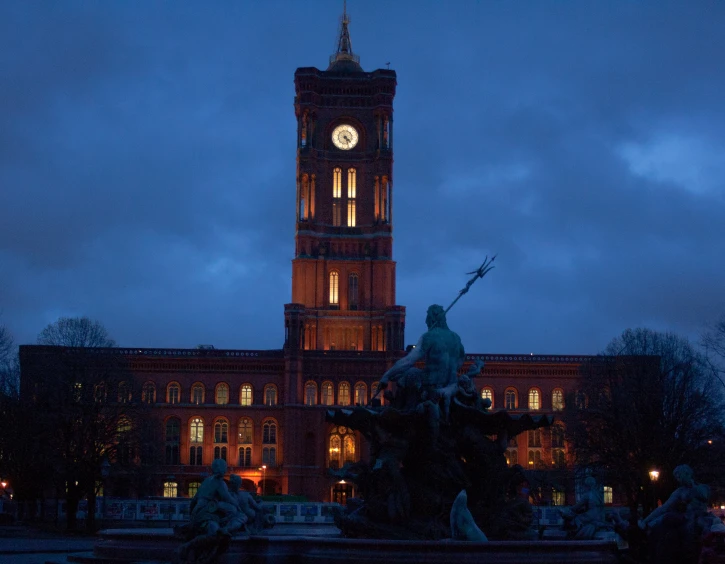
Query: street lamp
(653, 476)
(264, 478)
(105, 470)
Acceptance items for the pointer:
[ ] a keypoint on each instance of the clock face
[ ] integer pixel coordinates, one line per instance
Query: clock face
(345, 137)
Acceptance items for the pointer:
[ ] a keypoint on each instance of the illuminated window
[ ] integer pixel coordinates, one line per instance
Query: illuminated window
(341, 447)
(510, 399)
(170, 489)
(343, 396)
(361, 394)
(245, 394)
(310, 393)
(337, 183)
(336, 197)
(558, 497)
(270, 394)
(196, 430)
(534, 399)
(608, 495)
(352, 291)
(221, 432)
(557, 400)
(327, 393)
(334, 288)
(148, 393)
(351, 183)
(173, 393)
(197, 394)
(173, 440)
(512, 456)
(374, 388)
(487, 393)
(351, 210)
(193, 488)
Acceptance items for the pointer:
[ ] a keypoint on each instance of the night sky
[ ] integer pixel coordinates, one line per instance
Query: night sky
(147, 165)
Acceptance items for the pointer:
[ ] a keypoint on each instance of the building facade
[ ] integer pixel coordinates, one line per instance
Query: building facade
(263, 411)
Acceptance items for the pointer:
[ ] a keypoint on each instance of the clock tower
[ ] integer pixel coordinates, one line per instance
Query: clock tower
(343, 273)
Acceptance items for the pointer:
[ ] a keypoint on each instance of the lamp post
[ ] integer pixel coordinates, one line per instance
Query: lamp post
(264, 478)
(105, 470)
(653, 476)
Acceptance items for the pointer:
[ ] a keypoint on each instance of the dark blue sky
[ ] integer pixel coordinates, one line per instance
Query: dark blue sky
(147, 165)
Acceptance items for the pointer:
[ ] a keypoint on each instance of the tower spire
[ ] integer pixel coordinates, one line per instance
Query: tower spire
(344, 44)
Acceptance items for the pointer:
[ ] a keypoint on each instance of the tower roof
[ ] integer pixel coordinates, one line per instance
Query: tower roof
(344, 60)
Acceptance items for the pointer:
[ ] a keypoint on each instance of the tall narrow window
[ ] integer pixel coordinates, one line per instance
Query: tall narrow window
(534, 399)
(351, 195)
(269, 438)
(222, 394)
(327, 393)
(245, 395)
(557, 400)
(148, 393)
(343, 396)
(352, 291)
(510, 399)
(334, 288)
(487, 393)
(244, 439)
(337, 197)
(221, 432)
(173, 440)
(304, 190)
(310, 393)
(270, 394)
(196, 437)
(173, 392)
(124, 392)
(361, 394)
(197, 394)
(341, 447)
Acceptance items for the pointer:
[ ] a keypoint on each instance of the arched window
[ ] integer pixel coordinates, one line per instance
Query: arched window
(221, 431)
(270, 394)
(351, 193)
(196, 438)
(310, 393)
(148, 393)
(124, 448)
(512, 456)
(510, 399)
(197, 394)
(193, 488)
(173, 393)
(99, 392)
(342, 447)
(245, 395)
(172, 437)
(222, 394)
(343, 395)
(327, 393)
(269, 432)
(535, 458)
(352, 291)
(557, 400)
(244, 439)
(373, 389)
(269, 438)
(534, 399)
(171, 489)
(361, 394)
(337, 197)
(334, 288)
(124, 392)
(487, 394)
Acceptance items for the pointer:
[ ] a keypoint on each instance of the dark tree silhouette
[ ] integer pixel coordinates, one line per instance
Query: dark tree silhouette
(75, 332)
(650, 401)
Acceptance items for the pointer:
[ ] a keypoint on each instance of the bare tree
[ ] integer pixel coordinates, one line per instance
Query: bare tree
(9, 367)
(713, 342)
(75, 332)
(649, 401)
